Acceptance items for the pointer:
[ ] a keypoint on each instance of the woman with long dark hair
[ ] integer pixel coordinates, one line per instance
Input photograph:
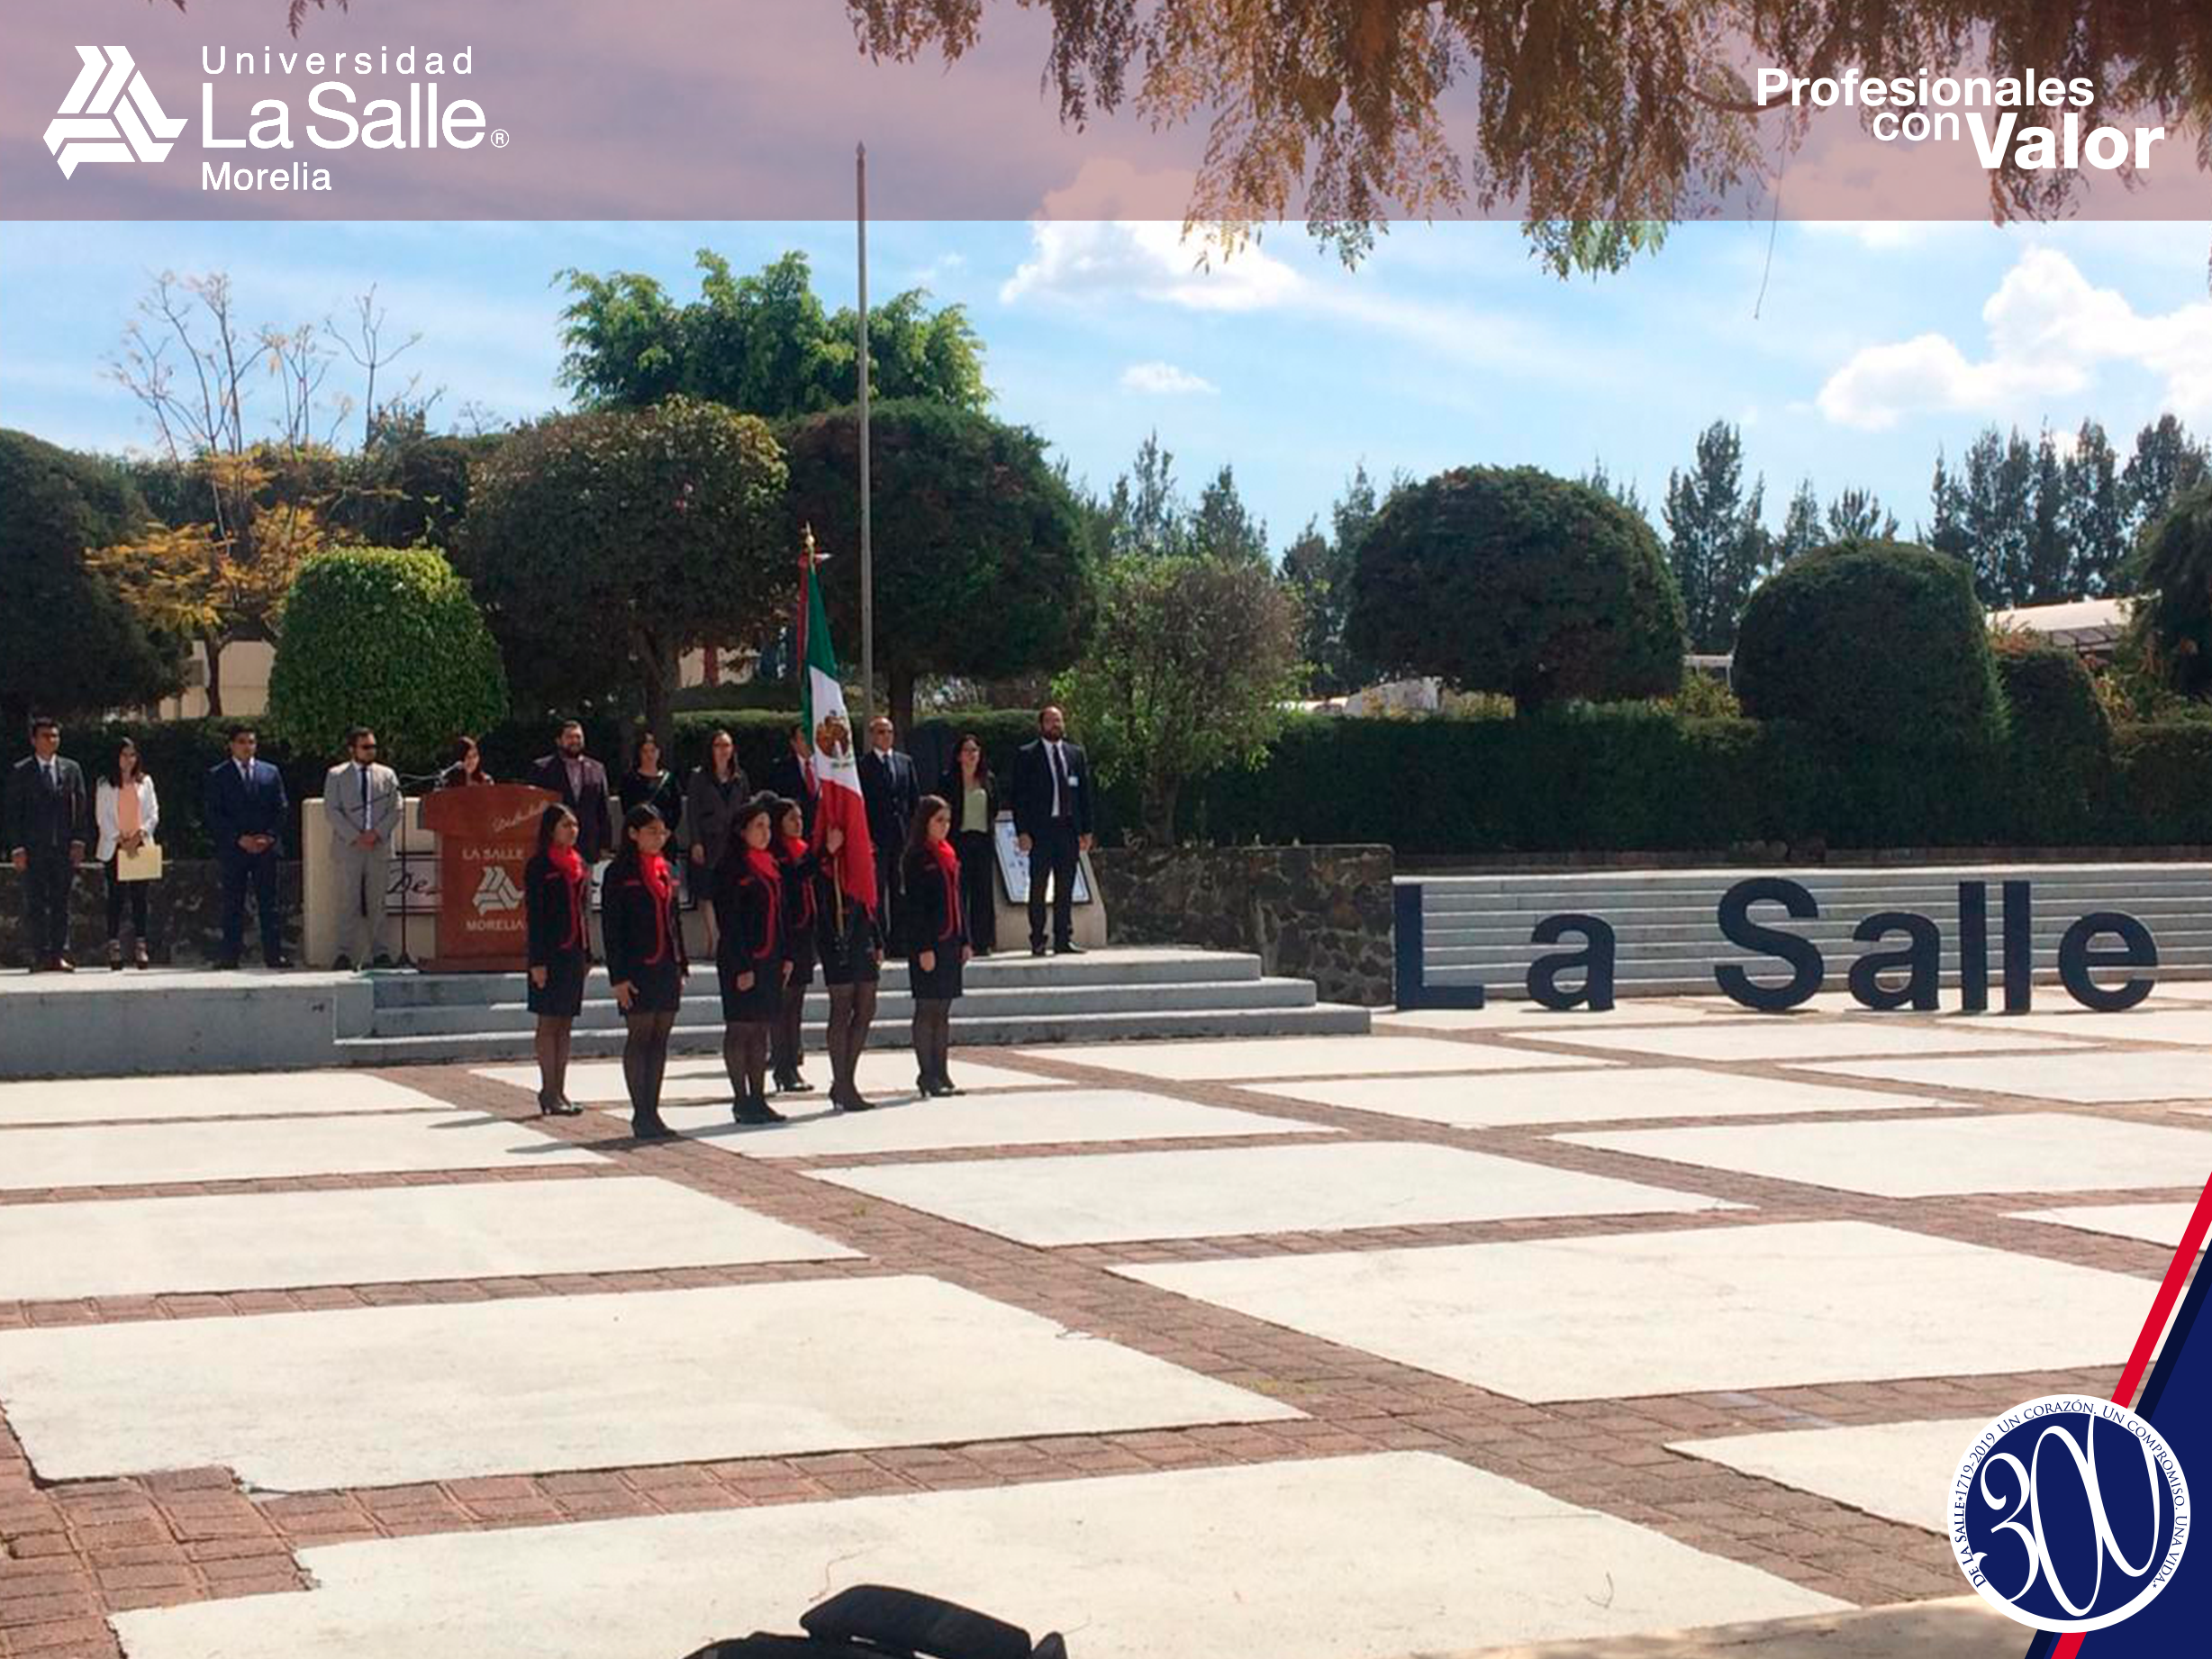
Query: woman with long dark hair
(968, 789)
(711, 802)
(127, 811)
(797, 859)
(649, 784)
(644, 939)
(937, 942)
(465, 767)
(555, 895)
(754, 958)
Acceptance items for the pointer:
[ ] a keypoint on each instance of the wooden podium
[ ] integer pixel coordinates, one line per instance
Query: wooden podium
(487, 834)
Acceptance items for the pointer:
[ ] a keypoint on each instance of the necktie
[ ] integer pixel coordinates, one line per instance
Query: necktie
(52, 782)
(1059, 784)
(364, 797)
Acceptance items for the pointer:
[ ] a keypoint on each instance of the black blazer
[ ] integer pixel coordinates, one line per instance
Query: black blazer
(949, 786)
(663, 795)
(1032, 789)
(46, 820)
(640, 944)
(590, 805)
(788, 780)
(554, 908)
(931, 918)
(236, 806)
(892, 792)
(748, 914)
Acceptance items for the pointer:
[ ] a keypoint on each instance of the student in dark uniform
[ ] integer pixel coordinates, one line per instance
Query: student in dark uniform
(848, 940)
(557, 890)
(754, 958)
(798, 863)
(644, 941)
(936, 939)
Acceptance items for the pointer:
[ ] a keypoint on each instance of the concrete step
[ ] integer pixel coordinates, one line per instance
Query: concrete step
(702, 1005)
(1001, 970)
(1317, 1019)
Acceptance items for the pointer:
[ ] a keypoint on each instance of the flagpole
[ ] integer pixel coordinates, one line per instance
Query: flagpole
(867, 544)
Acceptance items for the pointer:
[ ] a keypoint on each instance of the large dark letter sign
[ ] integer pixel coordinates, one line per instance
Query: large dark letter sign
(1924, 956)
(1595, 959)
(2077, 956)
(1800, 954)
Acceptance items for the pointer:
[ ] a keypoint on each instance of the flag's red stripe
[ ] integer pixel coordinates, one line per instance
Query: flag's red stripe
(2147, 1345)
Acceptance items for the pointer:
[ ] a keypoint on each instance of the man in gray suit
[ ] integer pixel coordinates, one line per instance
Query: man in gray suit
(361, 799)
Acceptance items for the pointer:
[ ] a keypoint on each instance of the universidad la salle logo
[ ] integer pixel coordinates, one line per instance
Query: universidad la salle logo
(110, 114)
(2069, 1513)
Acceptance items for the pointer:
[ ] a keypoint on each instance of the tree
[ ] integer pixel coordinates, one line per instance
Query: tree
(1947, 533)
(2050, 555)
(1997, 514)
(1716, 545)
(761, 344)
(608, 544)
(68, 644)
(1856, 515)
(1519, 582)
(1800, 525)
(1145, 512)
(2172, 583)
(980, 562)
(2166, 462)
(1223, 527)
(1193, 659)
(2094, 518)
(1875, 643)
(1317, 571)
(389, 639)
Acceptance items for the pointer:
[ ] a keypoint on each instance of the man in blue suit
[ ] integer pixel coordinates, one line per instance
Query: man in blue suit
(246, 812)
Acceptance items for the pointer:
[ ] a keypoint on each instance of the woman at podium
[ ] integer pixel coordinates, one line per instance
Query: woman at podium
(555, 890)
(644, 938)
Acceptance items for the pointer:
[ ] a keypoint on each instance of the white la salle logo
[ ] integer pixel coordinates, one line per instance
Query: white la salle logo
(110, 115)
(496, 891)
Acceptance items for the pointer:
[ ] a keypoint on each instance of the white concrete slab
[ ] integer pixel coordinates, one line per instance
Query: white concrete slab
(250, 1094)
(1226, 1060)
(1367, 1557)
(2188, 1027)
(1922, 1158)
(883, 1073)
(149, 1247)
(1497, 1016)
(378, 1396)
(1809, 1037)
(1572, 1097)
(1111, 1198)
(139, 1154)
(1674, 1312)
(2158, 1224)
(2099, 1078)
(1011, 1120)
(2183, 990)
(1901, 1472)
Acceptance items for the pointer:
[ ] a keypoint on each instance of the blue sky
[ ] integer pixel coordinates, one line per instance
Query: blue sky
(1849, 360)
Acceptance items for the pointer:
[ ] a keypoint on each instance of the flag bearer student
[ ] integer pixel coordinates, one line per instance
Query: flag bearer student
(644, 941)
(799, 865)
(849, 938)
(557, 890)
(937, 941)
(753, 961)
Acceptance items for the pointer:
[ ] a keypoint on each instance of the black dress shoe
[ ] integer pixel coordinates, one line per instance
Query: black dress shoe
(1037, 950)
(1068, 949)
(226, 965)
(62, 965)
(945, 1086)
(852, 1102)
(650, 1129)
(754, 1110)
(566, 1107)
(277, 964)
(382, 961)
(344, 964)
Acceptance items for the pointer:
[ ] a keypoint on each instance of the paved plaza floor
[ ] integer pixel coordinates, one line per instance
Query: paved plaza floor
(1498, 1332)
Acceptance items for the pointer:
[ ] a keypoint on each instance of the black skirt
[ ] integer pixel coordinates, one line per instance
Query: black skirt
(849, 957)
(802, 958)
(758, 1005)
(658, 987)
(562, 995)
(940, 984)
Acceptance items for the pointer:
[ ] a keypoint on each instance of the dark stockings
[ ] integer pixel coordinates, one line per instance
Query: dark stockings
(932, 1037)
(644, 1059)
(787, 1054)
(553, 1039)
(745, 1055)
(852, 1010)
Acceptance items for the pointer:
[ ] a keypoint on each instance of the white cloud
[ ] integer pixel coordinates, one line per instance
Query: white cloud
(1118, 259)
(1164, 379)
(2050, 333)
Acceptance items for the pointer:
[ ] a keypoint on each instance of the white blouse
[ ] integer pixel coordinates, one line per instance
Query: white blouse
(104, 802)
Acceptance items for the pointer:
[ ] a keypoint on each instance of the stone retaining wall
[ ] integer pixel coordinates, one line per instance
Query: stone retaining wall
(183, 923)
(1322, 913)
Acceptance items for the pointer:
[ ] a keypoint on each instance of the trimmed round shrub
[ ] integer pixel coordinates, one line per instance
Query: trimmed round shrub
(1515, 581)
(389, 639)
(2061, 739)
(1872, 642)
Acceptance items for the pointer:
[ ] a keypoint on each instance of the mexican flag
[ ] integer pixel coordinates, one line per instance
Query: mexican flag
(837, 768)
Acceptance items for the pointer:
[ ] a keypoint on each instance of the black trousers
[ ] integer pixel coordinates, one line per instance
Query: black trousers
(1054, 851)
(47, 882)
(119, 893)
(259, 871)
(976, 857)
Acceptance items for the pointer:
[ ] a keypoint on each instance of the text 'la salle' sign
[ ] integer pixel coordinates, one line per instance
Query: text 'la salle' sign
(1904, 972)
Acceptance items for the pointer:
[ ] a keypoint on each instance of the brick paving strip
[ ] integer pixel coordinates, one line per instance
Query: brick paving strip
(75, 1551)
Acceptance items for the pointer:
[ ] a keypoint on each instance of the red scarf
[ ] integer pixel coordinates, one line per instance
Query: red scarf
(653, 870)
(570, 864)
(949, 871)
(765, 870)
(794, 854)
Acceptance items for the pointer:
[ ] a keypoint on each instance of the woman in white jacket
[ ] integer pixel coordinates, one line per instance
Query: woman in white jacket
(128, 812)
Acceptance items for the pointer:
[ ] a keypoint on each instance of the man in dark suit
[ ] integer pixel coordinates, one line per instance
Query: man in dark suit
(246, 812)
(792, 774)
(581, 783)
(1052, 824)
(892, 791)
(48, 827)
